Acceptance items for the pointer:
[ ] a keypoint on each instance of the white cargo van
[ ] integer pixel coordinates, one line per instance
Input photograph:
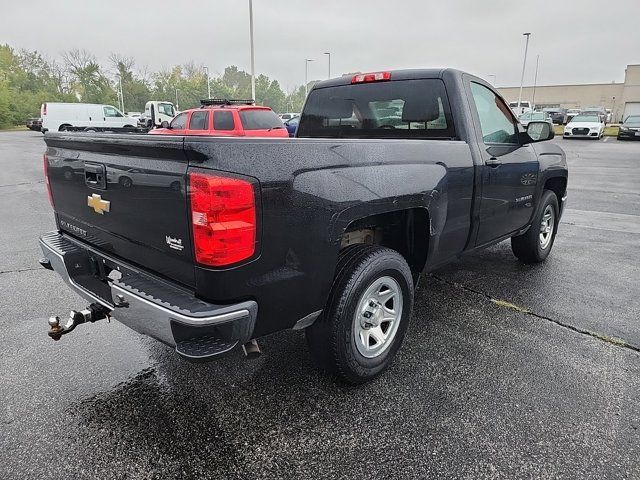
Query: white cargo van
(60, 116)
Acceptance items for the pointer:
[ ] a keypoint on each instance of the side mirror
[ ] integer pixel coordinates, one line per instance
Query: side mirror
(540, 131)
(165, 124)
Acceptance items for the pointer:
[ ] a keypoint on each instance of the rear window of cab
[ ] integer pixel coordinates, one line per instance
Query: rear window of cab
(417, 109)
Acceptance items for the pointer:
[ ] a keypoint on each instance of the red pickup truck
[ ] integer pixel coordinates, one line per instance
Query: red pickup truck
(226, 118)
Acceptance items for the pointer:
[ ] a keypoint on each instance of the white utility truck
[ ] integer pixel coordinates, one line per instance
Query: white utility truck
(155, 113)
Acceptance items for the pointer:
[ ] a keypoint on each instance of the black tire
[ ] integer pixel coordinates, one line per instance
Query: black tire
(125, 182)
(63, 128)
(529, 247)
(332, 338)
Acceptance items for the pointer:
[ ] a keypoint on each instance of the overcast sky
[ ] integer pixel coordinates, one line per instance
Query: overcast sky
(579, 41)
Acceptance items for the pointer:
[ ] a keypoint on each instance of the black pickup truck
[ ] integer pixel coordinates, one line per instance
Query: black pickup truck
(208, 243)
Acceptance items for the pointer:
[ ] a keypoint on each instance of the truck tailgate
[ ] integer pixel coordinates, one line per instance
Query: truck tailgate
(126, 195)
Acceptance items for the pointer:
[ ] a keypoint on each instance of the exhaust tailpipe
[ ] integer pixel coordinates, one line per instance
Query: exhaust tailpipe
(251, 349)
(92, 313)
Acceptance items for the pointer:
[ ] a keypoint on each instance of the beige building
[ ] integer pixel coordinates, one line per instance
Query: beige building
(622, 98)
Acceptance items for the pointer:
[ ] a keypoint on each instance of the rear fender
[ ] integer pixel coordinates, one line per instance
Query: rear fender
(368, 190)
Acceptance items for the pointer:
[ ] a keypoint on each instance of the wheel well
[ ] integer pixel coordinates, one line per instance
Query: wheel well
(557, 185)
(406, 231)
(64, 125)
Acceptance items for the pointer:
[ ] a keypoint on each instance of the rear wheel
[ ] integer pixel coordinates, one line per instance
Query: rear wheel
(126, 182)
(63, 128)
(366, 316)
(535, 244)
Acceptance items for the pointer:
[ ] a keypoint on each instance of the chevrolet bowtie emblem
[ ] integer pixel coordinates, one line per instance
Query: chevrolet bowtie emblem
(100, 206)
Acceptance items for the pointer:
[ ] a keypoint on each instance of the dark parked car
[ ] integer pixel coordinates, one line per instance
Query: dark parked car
(34, 124)
(630, 128)
(292, 125)
(391, 174)
(558, 115)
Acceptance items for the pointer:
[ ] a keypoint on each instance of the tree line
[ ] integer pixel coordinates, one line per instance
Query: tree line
(28, 79)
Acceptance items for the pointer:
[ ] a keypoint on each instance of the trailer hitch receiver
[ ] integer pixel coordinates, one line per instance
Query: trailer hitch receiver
(92, 313)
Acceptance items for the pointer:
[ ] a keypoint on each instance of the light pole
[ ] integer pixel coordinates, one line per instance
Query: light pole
(306, 76)
(253, 67)
(121, 93)
(206, 69)
(177, 108)
(535, 84)
(524, 64)
(328, 54)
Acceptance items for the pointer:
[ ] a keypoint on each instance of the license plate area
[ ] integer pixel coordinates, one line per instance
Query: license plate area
(94, 272)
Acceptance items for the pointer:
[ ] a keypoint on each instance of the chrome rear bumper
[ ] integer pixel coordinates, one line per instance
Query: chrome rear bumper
(146, 303)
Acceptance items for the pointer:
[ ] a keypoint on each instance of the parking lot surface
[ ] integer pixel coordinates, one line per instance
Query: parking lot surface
(508, 371)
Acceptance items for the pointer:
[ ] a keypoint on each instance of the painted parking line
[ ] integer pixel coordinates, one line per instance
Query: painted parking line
(615, 222)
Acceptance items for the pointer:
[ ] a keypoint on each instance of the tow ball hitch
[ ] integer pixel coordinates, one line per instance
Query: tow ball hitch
(92, 313)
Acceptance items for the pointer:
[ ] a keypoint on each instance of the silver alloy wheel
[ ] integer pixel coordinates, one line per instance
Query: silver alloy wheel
(546, 226)
(377, 317)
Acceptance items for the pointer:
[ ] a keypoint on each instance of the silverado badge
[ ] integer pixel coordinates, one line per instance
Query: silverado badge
(99, 206)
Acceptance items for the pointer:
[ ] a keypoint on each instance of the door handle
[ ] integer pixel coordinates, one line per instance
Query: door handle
(493, 162)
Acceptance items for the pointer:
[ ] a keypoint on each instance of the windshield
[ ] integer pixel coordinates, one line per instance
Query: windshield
(633, 119)
(258, 119)
(586, 118)
(166, 109)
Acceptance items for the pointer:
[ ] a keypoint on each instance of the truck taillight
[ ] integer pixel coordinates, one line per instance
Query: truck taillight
(223, 218)
(371, 77)
(45, 159)
(44, 110)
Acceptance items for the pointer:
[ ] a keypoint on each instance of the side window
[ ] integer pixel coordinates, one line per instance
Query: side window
(179, 122)
(111, 112)
(496, 122)
(199, 121)
(223, 120)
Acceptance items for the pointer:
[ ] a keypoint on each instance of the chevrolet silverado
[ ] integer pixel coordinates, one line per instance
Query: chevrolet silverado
(215, 242)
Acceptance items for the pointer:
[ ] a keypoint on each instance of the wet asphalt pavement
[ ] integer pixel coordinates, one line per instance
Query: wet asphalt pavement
(508, 371)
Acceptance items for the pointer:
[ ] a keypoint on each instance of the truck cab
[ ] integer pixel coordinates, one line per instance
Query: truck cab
(156, 113)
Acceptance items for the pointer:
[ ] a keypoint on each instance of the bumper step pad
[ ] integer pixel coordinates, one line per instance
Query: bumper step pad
(203, 347)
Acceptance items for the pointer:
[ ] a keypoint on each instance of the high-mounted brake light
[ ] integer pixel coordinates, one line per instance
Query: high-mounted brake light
(371, 77)
(45, 159)
(223, 218)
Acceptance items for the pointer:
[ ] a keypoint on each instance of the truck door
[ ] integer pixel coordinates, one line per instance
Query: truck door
(112, 117)
(509, 171)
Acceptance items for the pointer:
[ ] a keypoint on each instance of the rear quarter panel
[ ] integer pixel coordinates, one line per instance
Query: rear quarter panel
(311, 190)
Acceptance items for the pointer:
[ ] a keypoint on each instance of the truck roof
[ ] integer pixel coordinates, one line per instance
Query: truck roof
(404, 74)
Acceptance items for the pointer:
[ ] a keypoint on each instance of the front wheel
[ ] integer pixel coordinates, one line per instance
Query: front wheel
(535, 244)
(366, 316)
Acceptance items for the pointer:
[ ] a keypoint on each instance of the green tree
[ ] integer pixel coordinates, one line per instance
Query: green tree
(135, 89)
(90, 84)
(28, 79)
